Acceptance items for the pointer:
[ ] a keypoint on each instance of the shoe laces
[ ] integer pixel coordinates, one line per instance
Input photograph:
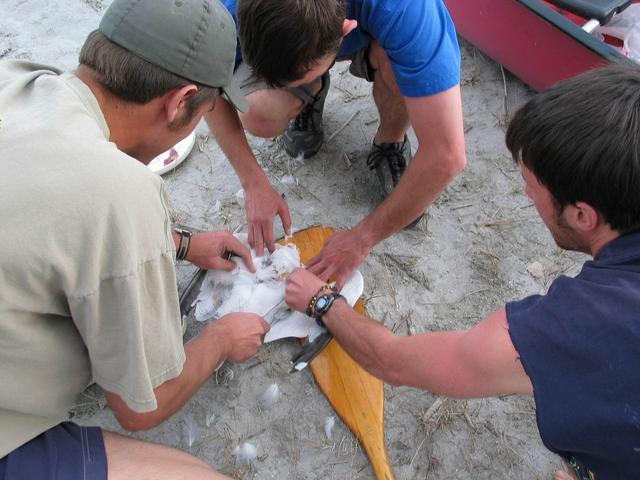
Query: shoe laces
(392, 153)
(305, 121)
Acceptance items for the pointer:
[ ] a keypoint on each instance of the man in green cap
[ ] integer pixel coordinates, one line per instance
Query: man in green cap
(87, 284)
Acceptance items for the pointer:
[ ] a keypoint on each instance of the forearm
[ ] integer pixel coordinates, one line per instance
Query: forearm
(426, 361)
(433, 362)
(473, 363)
(438, 125)
(203, 355)
(424, 180)
(226, 127)
(365, 339)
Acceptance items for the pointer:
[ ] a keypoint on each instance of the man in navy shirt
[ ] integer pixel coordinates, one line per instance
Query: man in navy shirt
(406, 48)
(577, 348)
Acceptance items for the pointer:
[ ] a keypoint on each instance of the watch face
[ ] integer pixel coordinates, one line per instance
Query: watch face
(322, 302)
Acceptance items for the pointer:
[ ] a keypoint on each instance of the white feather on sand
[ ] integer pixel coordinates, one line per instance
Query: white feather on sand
(209, 419)
(270, 397)
(191, 430)
(329, 423)
(246, 454)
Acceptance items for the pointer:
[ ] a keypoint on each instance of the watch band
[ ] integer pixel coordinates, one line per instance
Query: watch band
(312, 303)
(185, 241)
(323, 304)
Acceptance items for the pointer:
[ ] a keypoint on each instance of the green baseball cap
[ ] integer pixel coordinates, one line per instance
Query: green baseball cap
(195, 39)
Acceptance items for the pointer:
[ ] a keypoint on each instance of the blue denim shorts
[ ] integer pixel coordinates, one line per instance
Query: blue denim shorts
(64, 452)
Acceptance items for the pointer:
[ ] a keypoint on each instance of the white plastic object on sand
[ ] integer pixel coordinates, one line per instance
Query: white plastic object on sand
(624, 26)
(173, 157)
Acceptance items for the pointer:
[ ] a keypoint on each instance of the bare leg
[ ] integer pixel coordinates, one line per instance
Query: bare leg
(394, 119)
(128, 458)
(270, 111)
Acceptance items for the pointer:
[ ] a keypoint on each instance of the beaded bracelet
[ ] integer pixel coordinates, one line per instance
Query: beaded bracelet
(314, 299)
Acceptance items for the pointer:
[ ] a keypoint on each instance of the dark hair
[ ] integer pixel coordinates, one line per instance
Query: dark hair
(132, 78)
(581, 139)
(281, 39)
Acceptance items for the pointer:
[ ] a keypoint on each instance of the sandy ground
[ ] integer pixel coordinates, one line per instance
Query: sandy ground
(470, 256)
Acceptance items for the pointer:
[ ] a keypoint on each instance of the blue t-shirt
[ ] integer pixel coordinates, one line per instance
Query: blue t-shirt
(580, 346)
(418, 36)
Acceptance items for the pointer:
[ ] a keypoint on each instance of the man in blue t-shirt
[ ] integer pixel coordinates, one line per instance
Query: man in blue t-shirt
(577, 348)
(406, 48)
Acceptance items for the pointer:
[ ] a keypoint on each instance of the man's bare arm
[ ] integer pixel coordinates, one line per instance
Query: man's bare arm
(474, 363)
(479, 362)
(262, 202)
(235, 337)
(210, 250)
(437, 122)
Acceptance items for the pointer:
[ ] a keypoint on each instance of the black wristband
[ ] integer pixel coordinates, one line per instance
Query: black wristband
(185, 242)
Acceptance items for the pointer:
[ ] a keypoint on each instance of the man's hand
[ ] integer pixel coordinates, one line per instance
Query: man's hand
(301, 286)
(262, 204)
(241, 333)
(236, 337)
(209, 250)
(341, 255)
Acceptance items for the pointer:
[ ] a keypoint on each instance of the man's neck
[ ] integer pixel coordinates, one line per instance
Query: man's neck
(601, 238)
(127, 121)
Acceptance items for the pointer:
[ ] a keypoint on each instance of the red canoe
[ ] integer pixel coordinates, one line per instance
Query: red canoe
(540, 42)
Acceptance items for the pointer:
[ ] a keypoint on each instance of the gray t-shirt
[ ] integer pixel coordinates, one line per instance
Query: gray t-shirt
(87, 276)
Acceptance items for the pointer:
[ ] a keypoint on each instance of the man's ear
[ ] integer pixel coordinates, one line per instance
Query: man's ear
(584, 217)
(176, 100)
(348, 26)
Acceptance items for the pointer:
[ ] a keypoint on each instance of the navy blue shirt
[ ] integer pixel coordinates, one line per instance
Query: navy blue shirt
(580, 346)
(418, 36)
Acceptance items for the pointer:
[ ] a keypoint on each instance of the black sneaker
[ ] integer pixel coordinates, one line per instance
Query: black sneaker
(304, 135)
(389, 160)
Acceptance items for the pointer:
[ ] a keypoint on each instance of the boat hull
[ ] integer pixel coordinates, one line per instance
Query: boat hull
(533, 41)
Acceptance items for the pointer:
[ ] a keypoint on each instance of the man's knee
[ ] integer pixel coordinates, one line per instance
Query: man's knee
(130, 458)
(269, 112)
(260, 126)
